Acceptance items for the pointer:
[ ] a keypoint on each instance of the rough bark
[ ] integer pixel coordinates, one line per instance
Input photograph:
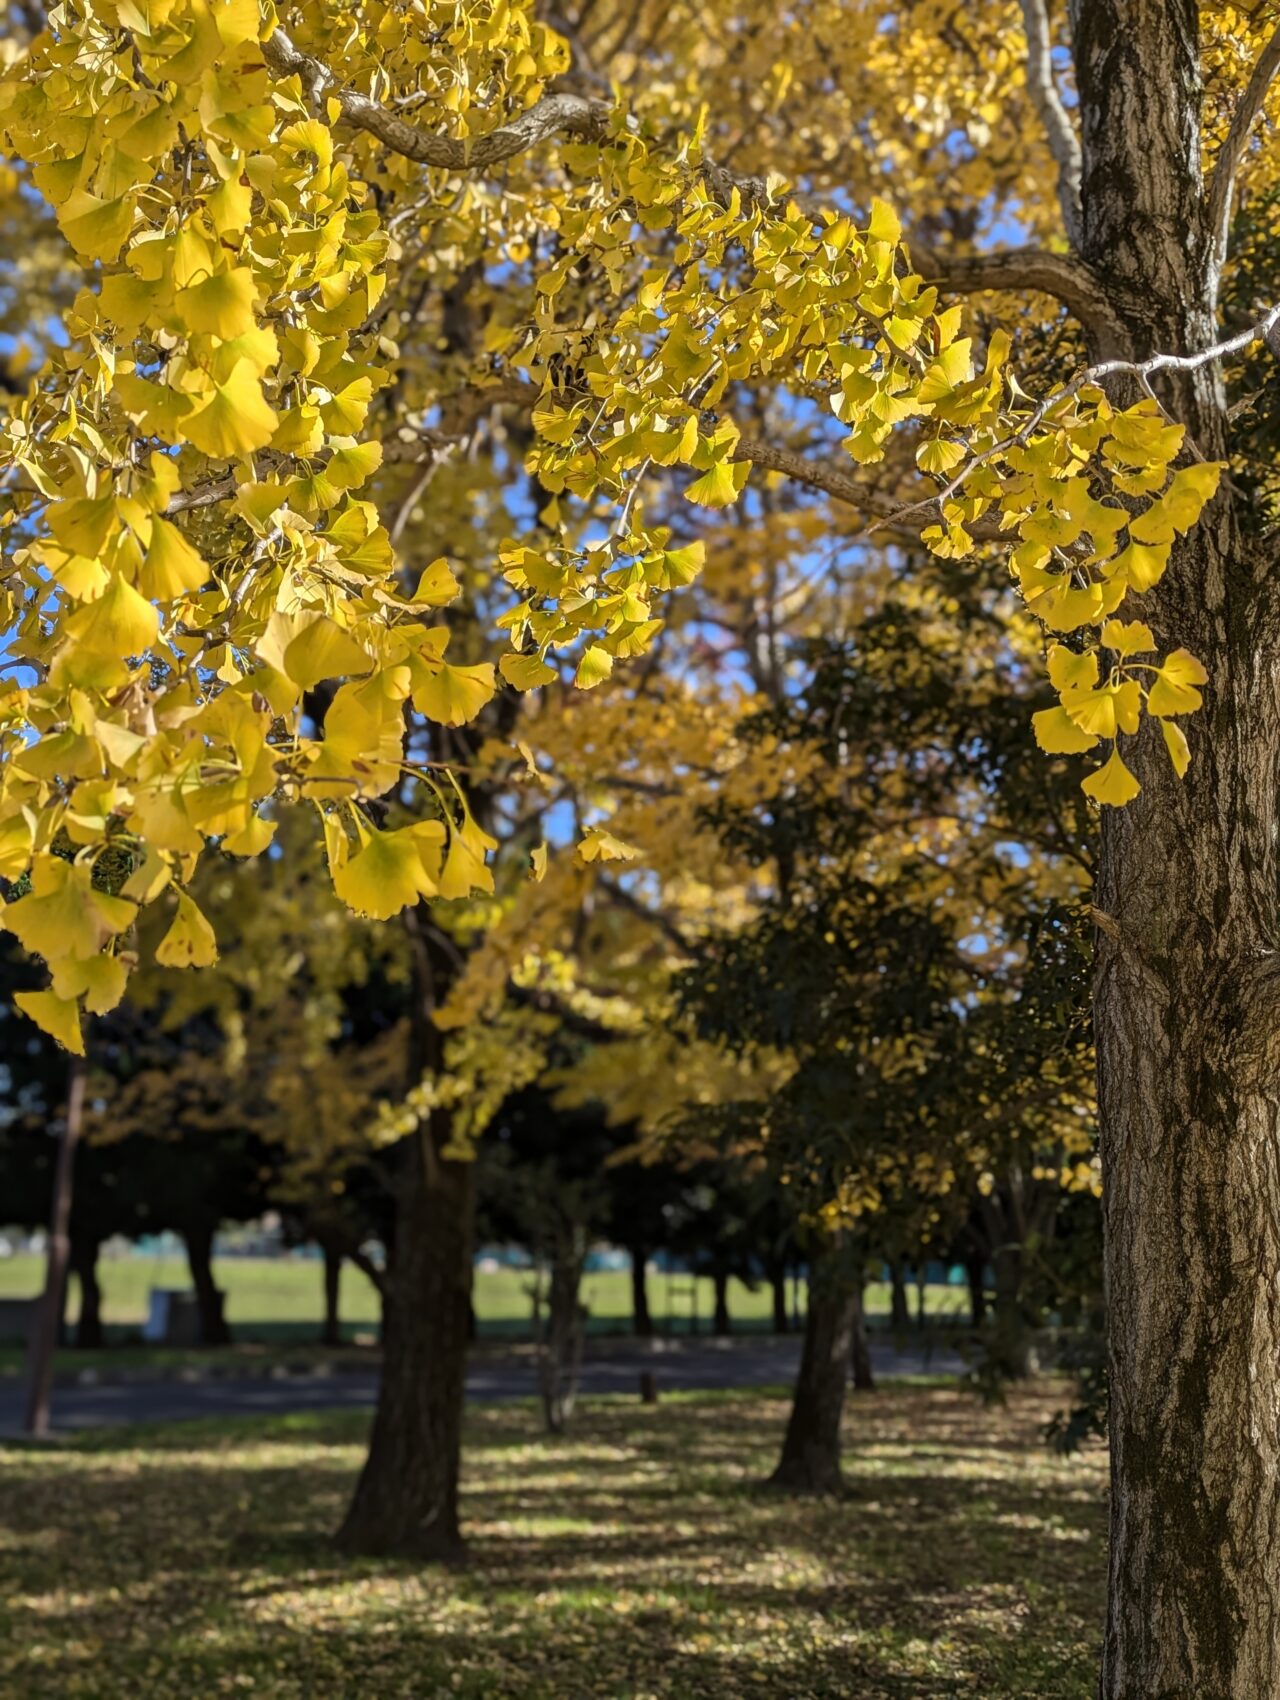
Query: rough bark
(209, 1298)
(1186, 1005)
(84, 1266)
(406, 1501)
(810, 1461)
(641, 1316)
(331, 1328)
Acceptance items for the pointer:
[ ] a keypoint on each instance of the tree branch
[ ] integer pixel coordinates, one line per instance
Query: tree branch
(559, 114)
(554, 114)
(1064, 144)
(1066, 278)
(655, 917)
(823, 475)
(1227, 164)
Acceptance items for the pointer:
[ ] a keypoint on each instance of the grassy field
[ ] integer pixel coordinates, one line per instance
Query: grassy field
(630, 1560)
(280, 1298)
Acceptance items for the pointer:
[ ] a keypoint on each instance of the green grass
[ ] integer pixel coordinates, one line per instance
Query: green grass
(632, 1559)
(281, 1298)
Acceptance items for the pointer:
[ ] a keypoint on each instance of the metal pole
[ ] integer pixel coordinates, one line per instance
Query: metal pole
(44, 1332)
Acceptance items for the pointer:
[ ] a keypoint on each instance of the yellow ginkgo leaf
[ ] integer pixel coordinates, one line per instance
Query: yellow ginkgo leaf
(323, 650)
(120, 623)
(526, 672)
(236, 419)
(1141, 565)
(1112, 783)
(595, 666)
(1071, 672)
(58, 1017)
(99, 980)
(221, 304)
(1174, 688)
(720, 485)
(600, 846)
(171, 567)
(1176, 744)
(96, 229)
(1058, 735)
(437, 586)
(190, 941)
(384, 876)
(1130, 637)
(252, 838)
(453, 695)
(885, 225)
(16, 839)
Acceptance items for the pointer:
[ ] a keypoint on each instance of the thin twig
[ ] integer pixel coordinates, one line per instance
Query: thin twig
(1064, 144)
(1227, 164)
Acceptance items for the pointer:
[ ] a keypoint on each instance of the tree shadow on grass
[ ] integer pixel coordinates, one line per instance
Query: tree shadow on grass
(628, 1559)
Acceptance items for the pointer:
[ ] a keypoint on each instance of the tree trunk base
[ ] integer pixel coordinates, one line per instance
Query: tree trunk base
(807, 1478)
(376, 1535)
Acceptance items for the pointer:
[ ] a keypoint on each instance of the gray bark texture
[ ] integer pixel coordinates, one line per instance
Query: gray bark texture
(406, 1501)
(810, 1461)
(1188, 1039)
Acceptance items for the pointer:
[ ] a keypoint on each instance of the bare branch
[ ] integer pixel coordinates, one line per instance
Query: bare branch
(1223, 183)
(655, 917)
(818, 474)
(1064, 144)
(886, 514)
(1066, 278)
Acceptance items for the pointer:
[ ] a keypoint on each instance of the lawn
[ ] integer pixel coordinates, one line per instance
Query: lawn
(633, 1559)
(282, 1298)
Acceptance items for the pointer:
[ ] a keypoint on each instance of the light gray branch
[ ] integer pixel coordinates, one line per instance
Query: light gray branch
(1064, 144)
(1227, 164)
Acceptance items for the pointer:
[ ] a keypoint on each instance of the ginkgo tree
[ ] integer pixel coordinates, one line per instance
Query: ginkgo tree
(259, 197)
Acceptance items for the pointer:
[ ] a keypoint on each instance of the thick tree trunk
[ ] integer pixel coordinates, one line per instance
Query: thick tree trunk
(406, 1501)
(1186, 997)
(209, 1299)
(778, 1285)
(331, 1329)
(720, 1321)
(810, 1461)
(84, 1266)
(864, 1380)
(641, 1316)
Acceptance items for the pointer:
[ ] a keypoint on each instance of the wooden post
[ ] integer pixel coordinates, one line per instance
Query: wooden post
(44, 1332)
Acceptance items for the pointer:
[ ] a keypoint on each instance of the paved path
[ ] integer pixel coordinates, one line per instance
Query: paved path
(612, 1367)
